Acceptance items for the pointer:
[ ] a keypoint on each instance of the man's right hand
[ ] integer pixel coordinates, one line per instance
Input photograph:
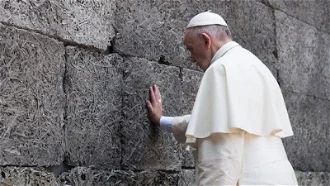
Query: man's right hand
(154, 105)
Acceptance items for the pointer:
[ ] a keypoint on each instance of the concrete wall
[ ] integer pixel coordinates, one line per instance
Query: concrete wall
(74, 77)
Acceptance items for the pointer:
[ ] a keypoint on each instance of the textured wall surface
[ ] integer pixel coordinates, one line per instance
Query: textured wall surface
(74, 78)
(93, 86)
(146, 147)
(16, 176)
(84, 22)
(31, 98)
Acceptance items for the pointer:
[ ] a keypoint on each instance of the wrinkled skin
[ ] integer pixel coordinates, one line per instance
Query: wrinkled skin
(154, 105)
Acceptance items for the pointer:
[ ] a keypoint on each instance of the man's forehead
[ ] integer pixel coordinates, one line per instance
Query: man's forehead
(187, 32)
(186, 37)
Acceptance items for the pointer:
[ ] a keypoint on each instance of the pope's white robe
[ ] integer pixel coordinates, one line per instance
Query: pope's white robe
(238, 91)
(238, 120)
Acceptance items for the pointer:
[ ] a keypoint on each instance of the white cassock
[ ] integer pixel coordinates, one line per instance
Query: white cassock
(238, 120)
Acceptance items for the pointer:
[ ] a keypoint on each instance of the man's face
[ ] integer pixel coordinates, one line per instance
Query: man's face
(198, 50)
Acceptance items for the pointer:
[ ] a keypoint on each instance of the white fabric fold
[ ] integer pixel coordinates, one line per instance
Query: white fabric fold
(237, 92)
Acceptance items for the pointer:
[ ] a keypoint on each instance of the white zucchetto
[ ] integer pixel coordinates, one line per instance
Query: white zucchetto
(206, 18)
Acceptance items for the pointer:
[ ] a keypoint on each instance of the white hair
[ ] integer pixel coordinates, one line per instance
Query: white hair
(217, 31)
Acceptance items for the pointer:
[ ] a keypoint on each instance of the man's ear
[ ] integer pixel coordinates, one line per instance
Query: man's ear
(207, 40)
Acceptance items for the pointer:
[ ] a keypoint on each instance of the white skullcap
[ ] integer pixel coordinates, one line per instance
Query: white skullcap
(206, 18)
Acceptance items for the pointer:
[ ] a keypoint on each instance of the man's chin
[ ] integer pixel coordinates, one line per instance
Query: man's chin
(202, 67)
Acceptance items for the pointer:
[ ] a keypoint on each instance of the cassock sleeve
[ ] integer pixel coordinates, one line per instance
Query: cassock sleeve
(179, 127)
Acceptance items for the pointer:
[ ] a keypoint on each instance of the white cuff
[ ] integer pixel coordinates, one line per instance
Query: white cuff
(166, 123)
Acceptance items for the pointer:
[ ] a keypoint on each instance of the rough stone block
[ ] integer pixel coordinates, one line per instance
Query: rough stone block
(188, 160)
(147, 147)
(84, 22)
(31, 98)
(309, 148)
(19, 176)
(155, 29)
(93, 85)
(152, 30)
(254, 31)
(187, 178)
(190, 84)
(81, 176)
(304, 57)
(313, 178)
(313, 12)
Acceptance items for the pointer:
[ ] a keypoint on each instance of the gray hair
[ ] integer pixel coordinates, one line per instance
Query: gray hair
(217, 31)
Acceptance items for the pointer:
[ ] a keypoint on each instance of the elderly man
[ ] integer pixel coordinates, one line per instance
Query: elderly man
(239, 115)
